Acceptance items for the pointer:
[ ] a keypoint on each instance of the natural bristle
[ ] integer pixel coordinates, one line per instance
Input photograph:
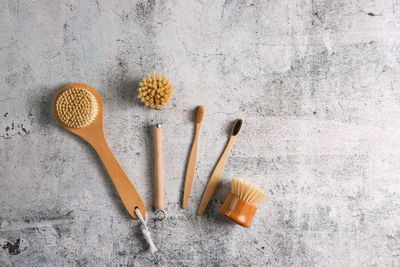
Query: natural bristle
(200, 114)
(247, 191)
(155, 91)
(76, 107)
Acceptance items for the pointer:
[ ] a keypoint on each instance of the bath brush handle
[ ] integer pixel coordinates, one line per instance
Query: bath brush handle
(126, 190)
(159, 167)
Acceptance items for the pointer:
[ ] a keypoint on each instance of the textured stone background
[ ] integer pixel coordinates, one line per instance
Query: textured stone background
(316, 82)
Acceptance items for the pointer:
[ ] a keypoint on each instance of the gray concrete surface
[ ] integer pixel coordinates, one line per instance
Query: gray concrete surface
(316, 82)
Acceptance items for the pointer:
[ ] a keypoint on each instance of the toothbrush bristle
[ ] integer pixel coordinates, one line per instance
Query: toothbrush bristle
(237, 127)
(200, 114)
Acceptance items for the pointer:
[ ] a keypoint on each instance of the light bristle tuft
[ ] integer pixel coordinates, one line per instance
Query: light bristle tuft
(76, 107)
(200, 114)
(247, 191)
(155, 90)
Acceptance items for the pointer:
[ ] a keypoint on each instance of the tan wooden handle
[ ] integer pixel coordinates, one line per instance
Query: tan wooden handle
(191, 169)
(215, 176)
(126, 190)
(159, 167)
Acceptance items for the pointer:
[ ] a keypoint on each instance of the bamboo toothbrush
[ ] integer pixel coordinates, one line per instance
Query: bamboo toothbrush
(79, 109)
(240, 205)
(192, 159)
(156, 91)
(216, 175)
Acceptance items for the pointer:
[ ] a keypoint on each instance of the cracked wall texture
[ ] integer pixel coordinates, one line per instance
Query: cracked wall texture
(316, 82)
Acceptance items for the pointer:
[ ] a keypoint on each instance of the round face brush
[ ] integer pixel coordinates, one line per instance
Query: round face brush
(240, 205)
(79, 109)
(155, 91)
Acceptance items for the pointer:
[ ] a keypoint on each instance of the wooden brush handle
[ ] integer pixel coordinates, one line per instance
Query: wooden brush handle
(215, 176)
(191, 169)
(126, 190)
(159, 167)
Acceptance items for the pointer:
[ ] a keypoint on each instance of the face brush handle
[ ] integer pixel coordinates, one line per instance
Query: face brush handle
(159, 167)
(126, 190)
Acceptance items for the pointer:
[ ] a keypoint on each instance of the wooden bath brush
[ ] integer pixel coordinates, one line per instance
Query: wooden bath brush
(240, 205)
(79, 109)
(155, 91)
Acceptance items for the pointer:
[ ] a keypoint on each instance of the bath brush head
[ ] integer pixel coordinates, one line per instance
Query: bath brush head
(76, 107)
(155, 90)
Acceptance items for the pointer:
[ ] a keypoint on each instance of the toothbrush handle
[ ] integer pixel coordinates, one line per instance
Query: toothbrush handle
(159, 167)
(191, 169)
(215, 177)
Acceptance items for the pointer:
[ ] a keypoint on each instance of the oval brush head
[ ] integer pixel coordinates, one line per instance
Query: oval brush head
(200, 114)
(239, 206)
(155, 91)
(76, 107)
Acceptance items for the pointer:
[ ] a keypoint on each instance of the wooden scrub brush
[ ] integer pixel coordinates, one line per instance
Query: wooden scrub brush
(240, 205)
(155, 91)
